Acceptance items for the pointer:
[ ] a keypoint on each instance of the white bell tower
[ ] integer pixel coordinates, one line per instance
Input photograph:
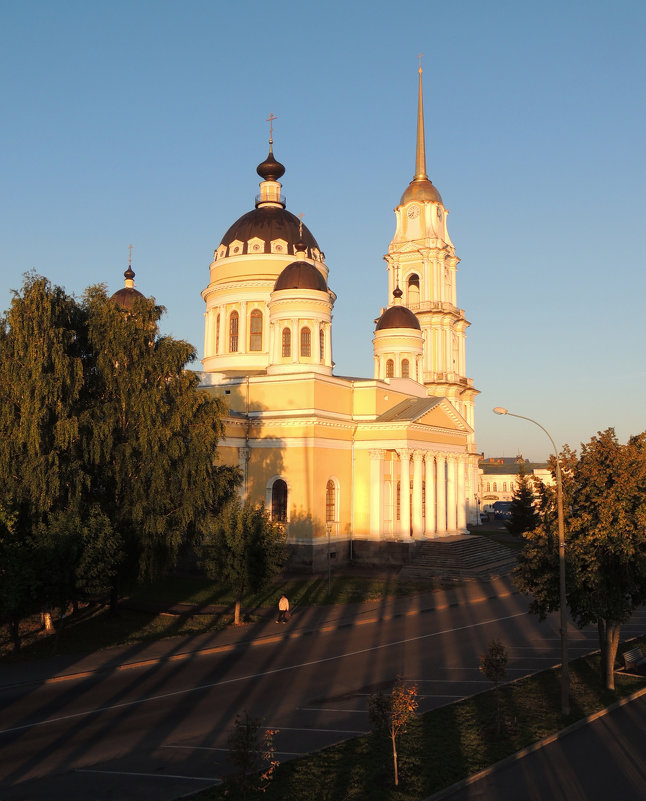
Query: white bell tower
(421, 254)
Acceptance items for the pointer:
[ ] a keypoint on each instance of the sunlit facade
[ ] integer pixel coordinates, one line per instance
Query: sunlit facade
(330, 456)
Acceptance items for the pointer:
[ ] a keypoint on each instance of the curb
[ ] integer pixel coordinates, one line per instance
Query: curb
(530, 749)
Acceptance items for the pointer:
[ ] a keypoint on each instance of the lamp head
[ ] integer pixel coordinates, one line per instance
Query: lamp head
(500, 410)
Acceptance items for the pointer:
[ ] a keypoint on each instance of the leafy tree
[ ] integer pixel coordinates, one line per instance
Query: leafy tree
(243, 550)
(18, 578)
(252, 755)
(524, 516)
(107, 448)
(390, 715)
(493, 664)
(605, 517)
(150, 436)
(42, 395)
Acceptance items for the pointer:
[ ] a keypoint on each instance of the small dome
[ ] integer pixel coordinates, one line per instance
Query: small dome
(398, 317)
(300, 275)
(270, 169)
(268, 223)
(420, 189)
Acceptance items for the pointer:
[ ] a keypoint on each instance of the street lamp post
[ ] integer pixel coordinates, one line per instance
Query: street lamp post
(565, 670)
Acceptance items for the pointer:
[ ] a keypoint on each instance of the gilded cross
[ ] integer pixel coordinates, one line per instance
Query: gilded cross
(270, 120)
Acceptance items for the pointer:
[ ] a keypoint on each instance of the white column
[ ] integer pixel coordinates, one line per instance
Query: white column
(243, 345)
(207, 337)
(328, 344)
(430, 494)
(404, 491)
(376, 492)
(451, 494)
(296, 341)
(462, 498)
(441, 493)
(418, 522)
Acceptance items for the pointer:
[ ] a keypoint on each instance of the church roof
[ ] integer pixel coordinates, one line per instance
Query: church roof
(301, 275)
(408, 410)
(398, 317)
(269, 223)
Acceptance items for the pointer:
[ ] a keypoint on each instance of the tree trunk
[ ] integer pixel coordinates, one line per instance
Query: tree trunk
(14, 626)
(236, 613)
(392, 737)
(609, 632)
(47, 621)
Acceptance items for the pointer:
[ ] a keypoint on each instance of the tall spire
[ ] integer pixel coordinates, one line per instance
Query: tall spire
(420, 188)
(420, 154)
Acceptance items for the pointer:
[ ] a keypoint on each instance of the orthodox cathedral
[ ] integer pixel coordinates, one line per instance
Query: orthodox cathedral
(361, 468)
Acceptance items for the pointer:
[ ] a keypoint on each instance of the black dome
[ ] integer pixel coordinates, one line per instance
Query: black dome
(398, 317)
(270, 169)
(300, 275)
(126, 296)
(268, 223)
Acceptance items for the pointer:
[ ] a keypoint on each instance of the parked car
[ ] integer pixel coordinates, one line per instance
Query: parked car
(502, 510)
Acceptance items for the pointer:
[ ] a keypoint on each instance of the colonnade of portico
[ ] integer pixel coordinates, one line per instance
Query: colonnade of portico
(436, 503)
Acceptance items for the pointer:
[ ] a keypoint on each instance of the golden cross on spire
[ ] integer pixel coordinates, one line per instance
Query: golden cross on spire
(419, 56)
(129, 255)
(270, 120)
(300, 224)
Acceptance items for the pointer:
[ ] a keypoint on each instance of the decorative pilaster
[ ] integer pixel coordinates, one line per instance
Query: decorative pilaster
(440, 459)
(430, 493)
(376, 492)
(451, 494)
(418, 521)
(404, 492)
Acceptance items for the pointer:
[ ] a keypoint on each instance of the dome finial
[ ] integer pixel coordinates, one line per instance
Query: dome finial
(270, 120)
(397, 293)
(420, 153)
(270, 169)
(129, 274)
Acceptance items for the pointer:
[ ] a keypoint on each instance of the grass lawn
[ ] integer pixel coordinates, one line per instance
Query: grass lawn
(445, 745)
(93, 628)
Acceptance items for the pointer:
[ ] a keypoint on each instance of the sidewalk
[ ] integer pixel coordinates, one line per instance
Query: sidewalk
(304, 621)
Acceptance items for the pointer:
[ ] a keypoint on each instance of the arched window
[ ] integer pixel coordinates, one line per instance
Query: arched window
(413, 290)
(255, 330)
(495, 486)
(504, 486)
(321, 345)
(306, 343)
(279, 501)
(233, 332)
(287, 343)
(488, 486)
(398, 502)
(390, 368)
(405, 369)
(217, 333)
(330, 502)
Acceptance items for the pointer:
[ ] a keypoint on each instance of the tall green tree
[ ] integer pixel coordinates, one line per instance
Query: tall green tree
(150, 437)
(605, 531)
(42, 395)
(243, 550)
(524, 515)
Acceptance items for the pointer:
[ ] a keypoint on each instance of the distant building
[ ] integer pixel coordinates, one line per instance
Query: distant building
(499, 478)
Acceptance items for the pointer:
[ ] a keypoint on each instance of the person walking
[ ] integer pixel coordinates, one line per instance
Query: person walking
(283, 609)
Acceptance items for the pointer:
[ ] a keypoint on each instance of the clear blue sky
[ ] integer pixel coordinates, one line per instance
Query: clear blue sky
(143, 122)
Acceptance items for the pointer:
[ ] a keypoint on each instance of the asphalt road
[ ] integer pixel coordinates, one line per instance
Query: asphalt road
(161, 731)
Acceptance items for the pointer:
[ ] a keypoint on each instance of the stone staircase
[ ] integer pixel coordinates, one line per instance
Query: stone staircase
(461, 556)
